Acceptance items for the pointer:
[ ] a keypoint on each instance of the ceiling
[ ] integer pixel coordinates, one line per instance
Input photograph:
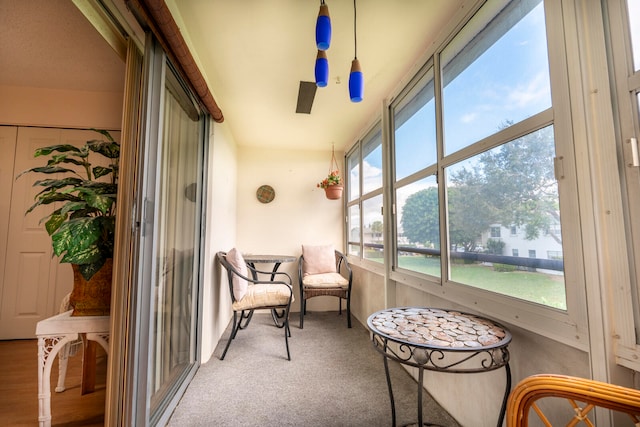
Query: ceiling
(253, 53)
(50, 44)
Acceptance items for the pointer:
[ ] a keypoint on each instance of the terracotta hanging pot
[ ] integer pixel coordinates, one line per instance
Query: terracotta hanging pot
(92, 297)
(334, 192)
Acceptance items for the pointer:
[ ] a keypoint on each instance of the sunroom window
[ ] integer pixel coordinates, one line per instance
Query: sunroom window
(474, 161)
(511, 184)
(365, 209)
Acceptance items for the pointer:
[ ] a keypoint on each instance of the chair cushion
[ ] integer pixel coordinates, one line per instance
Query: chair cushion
(325, 280)
(318, 259)
(264, 295)
(240, 285)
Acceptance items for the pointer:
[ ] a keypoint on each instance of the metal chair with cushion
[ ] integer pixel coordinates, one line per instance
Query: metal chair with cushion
(323, 271)
(249, 293)
(581, 395)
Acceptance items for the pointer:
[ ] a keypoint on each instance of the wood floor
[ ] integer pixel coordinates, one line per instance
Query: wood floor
(19, 388)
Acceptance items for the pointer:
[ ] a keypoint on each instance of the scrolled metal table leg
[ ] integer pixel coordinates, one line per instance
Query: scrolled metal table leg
(393, 404)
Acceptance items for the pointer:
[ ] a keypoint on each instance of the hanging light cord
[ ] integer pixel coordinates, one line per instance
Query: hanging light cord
(355, 38)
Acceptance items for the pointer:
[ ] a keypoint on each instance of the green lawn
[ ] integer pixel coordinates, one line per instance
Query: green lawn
(531, 286)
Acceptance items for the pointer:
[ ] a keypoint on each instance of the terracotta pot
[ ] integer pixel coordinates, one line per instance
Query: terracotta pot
(334, 192)
(93, 297)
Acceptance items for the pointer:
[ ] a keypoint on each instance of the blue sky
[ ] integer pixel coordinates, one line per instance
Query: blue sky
(508, 82)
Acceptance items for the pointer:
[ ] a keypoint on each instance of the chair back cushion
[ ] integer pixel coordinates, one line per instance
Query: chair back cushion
(318, 259)
(240, 285)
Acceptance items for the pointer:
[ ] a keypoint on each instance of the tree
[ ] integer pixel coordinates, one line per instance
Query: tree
(513, 184)
(469, 215)
(420, 218)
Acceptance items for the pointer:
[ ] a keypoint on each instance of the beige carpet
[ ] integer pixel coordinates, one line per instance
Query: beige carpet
(335, 378)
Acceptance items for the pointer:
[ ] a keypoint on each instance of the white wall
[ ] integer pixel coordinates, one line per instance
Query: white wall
(299, 214)
(220, 234)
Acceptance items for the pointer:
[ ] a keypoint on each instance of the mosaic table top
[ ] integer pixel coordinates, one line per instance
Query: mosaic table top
(438, 328)
(252, 258)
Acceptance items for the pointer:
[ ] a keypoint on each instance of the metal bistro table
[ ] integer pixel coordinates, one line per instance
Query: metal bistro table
(276, 260)
(440, 340)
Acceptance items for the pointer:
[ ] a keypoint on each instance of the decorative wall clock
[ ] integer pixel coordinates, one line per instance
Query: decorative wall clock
(265, 193)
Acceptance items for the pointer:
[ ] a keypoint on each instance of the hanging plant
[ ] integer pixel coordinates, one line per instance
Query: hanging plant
(332, 184)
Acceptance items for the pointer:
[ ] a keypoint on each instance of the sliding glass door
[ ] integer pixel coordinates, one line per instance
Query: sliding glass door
(171, 223)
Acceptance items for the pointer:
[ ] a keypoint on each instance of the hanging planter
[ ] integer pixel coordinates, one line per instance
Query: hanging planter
(332, 184)
(334, 192)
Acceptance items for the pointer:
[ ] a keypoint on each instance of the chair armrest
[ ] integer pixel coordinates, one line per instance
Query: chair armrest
(594, 393)
(341, 262)
(251, 280)
(300, 264)
(231, 271)
(269, 273)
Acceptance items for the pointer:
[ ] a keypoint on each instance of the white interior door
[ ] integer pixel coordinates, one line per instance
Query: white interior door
(33, 283)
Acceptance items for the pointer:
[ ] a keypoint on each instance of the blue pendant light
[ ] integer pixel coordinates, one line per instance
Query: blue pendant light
(323, 27)
(356, 82)
(356, 78)
(322, 69)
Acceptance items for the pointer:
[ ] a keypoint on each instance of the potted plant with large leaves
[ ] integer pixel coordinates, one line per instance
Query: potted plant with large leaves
(82, 227)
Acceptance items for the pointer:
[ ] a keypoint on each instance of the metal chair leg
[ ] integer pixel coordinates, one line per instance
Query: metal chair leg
(286, 338)
(234, 331)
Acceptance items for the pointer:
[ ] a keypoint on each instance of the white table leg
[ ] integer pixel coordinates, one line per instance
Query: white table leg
(48, 348)
(54, 334)
(63, 360)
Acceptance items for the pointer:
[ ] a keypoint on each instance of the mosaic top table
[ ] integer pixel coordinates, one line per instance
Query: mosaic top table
(440, 340)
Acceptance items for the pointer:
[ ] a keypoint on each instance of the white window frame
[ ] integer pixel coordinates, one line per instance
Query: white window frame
(570, 326)
(357, 151)
(626, 315)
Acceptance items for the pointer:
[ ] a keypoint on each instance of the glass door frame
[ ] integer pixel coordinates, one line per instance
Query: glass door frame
(141, 342)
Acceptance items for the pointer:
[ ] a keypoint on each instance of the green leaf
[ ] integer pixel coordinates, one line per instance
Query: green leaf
(47, 170)
(54, 222)
(64, 158)
(82, 213)
(102, 187)
(76, 235)
(73, 207)
(61, 148)
(110, 150)
(100, 171)
(96, 200)
(51, 197)
(58, 183)
(82, 256)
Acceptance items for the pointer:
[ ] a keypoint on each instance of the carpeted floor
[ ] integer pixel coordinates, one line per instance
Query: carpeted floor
(335, 378)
